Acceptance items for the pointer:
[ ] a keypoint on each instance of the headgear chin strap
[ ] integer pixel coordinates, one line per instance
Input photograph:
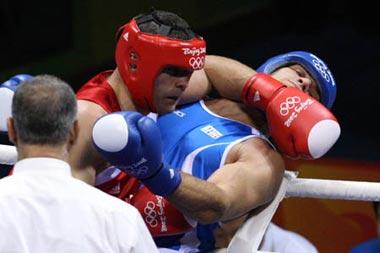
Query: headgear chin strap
(315, 66)
(140, 57)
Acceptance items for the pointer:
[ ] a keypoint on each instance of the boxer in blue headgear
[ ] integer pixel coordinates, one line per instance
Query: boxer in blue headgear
(200, 139)
(313, 65)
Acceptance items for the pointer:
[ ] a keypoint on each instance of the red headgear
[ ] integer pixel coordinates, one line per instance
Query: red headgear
(140, 57)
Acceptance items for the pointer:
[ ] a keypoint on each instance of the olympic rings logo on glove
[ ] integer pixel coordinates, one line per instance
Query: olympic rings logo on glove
(136, 172)
(289, 104)
(197, 62)
(151, 214)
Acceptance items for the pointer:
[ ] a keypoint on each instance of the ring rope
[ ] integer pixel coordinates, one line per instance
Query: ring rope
(8, 154)
(297, 187)
(333, 189)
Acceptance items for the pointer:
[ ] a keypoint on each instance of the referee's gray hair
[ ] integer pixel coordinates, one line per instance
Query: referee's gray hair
(44, 109)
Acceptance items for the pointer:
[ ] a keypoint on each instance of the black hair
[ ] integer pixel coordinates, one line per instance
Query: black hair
(163, 23)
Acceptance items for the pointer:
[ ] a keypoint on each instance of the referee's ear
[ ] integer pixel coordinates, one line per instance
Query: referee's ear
(12, 135)
(74, 132)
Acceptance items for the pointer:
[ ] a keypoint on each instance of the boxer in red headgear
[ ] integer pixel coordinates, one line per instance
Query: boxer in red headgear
(156, 54)
(160, 63)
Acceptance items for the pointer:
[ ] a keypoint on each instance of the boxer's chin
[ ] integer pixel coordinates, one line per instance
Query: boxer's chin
(167, 105)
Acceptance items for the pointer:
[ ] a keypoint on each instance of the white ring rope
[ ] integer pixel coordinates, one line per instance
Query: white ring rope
(297, 187)
(8, 154)
(333, 189)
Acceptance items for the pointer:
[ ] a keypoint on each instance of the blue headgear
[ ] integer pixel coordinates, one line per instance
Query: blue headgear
(315, 67)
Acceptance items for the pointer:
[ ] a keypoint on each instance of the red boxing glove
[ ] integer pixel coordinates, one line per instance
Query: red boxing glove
(161, 218)
(299, 125)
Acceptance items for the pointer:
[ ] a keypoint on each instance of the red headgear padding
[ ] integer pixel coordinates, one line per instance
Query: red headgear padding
(140, 57)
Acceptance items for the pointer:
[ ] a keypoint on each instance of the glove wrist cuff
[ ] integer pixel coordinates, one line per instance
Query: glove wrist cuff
(164, 182)
(259, 90)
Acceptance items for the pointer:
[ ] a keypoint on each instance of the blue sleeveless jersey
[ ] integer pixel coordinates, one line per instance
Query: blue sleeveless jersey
(197, 141)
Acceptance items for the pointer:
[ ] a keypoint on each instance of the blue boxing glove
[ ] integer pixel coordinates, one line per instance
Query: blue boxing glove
(7, 89)
(15, 81)
(132, 142)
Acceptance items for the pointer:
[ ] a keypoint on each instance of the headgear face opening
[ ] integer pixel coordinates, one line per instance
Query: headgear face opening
(140, 57)
(315, 66)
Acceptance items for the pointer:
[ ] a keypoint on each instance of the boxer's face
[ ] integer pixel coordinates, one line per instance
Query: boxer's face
(296, 76)
(168, 88)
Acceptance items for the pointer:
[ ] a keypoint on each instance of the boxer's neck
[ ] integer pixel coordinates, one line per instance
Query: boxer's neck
(123, 95)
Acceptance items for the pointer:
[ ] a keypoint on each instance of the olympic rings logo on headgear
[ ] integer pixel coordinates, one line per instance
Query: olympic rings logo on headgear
(197, 62)
(321, 67)
(151, 214)
(289, 104)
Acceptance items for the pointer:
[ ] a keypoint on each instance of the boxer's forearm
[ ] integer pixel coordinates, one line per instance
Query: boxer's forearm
(199, 199)
(221, 74)
(227, 76)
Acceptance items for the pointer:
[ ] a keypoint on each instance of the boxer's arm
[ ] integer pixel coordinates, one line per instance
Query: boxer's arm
(84, 159)
(253, 169)
(225, 75)
(250, 180)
